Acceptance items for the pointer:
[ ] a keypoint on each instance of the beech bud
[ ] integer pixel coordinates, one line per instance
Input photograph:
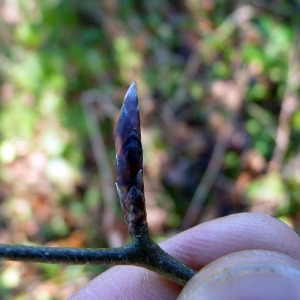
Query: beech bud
(129, 158)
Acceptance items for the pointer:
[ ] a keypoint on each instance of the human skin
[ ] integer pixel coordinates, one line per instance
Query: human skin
(248, 255)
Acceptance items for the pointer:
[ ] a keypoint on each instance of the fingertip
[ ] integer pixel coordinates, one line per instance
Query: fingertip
(207, 242)
(128, 282)
(252, 274)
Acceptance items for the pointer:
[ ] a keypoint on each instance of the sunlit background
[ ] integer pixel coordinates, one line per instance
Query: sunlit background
(218, 85)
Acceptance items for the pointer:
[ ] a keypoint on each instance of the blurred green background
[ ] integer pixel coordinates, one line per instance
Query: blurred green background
(218, 85)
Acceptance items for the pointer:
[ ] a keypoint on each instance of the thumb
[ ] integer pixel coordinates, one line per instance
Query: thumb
(250, 274)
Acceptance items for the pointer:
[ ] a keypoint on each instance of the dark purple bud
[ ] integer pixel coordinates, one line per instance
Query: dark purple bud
(129, 117)
(129, 159)
(128, 140)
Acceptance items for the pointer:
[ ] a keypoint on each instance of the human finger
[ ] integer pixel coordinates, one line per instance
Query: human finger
(250, 274)
(196, 247)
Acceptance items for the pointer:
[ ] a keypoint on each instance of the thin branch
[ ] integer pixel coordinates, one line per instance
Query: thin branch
(59, 255)
(142, 252)
(88, 100)
(222, 139)
(205, 184)
(288, 107)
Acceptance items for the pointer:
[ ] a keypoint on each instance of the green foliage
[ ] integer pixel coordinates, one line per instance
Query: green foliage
(201, 68)
(270, 187)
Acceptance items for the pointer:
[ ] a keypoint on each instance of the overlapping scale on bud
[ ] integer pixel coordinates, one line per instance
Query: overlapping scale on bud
(129, 160)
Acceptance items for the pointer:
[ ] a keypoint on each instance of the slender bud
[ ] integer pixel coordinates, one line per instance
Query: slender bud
(130, 185)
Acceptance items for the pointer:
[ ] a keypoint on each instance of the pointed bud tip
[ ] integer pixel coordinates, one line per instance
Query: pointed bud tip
(131, 92)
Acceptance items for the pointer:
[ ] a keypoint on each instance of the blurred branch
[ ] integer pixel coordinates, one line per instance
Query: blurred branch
(289, 105)
(261, 115)
(240, 15)
(88, 100)
(213, 169)
(278, 10)
(223, 137)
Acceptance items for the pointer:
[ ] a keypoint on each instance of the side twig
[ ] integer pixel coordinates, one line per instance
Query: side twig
(142, 250)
